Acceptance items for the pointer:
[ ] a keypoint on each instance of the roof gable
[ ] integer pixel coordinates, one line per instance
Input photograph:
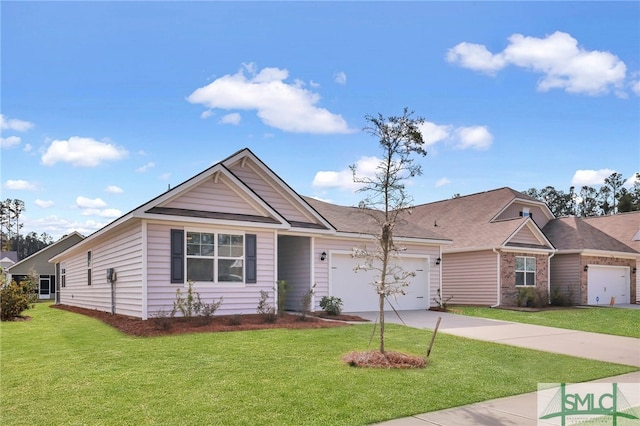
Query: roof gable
(271, 188)
(42, 257)
(472, 221)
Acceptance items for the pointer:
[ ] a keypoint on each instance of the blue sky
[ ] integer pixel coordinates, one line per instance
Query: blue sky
(106, 104)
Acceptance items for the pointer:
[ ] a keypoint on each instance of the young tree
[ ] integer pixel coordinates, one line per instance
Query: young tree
(614, 182)
(400, 139)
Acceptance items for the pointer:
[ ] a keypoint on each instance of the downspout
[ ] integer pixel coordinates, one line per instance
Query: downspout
(275, 268)
(553, 253)
(439, 273)
(499, 279)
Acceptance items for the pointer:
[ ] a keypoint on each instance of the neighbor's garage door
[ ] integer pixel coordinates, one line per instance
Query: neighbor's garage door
(357, 292)
(605, 282)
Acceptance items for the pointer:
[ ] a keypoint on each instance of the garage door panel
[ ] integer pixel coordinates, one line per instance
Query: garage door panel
(605, 282)
(357, 291)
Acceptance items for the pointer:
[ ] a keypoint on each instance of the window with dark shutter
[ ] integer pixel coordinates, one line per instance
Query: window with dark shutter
(177, 256)
(250, 258)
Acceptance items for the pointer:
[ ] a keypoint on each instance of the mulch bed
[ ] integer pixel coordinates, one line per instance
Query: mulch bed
(377, 359)
(223, 323)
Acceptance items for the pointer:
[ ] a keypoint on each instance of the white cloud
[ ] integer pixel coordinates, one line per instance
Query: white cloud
(14, 124)
(88, 203)
(27, 147)
(233, 118)
(558, 57)
(433, 133)
(288, 107)
(476, 57)
(113, 213)
(9, 142)
(146, 167)
(477, 137)
(206, 114)
(82, 152)
(45, 204)
(635, 87)
(442, 182)
(635, 178)
(113, 189)
(343, 179)
(19, 185)
(340, 78)
(57, 227)
(590, 177)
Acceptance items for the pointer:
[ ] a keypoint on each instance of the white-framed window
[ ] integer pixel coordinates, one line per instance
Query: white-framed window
(63, 274)
(215, 257)
(525, 271)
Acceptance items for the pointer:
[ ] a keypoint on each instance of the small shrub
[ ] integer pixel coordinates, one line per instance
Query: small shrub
(560, 298)
(525, 296)
(282, 296)
(189, 305)
(235, 319)
(209, 309)
(17, 297)
(442, 302)
(162, 319)
(331, 305)
(267, 311)
(306, 304)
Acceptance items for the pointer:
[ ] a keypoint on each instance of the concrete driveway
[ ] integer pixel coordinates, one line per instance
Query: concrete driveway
(601, 347)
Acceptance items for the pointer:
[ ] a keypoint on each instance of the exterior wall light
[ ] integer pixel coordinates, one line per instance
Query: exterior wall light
(586, 268)
(323, 256)
(438, 260)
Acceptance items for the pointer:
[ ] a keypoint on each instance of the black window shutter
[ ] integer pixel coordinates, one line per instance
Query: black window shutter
(177, 256)
(250, 258)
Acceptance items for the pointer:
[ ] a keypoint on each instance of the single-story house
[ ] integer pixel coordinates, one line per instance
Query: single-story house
(233, 230)
(39, 264)
(498, 248)
(597, 258)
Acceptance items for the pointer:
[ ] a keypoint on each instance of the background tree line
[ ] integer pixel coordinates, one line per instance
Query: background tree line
(10, 226)
(611, 198)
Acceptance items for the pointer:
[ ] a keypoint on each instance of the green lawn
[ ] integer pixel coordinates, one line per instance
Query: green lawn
(617, 321)
(65, 368)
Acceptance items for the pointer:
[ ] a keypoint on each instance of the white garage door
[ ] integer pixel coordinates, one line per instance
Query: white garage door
(357, 292)
(605, 282)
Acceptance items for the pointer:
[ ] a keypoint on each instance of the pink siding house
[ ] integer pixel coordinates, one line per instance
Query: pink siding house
(233, 230)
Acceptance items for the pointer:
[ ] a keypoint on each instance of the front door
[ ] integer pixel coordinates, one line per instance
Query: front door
(45, 288)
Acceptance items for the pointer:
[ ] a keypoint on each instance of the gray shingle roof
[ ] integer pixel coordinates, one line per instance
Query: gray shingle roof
(364, 221)
(468, 221)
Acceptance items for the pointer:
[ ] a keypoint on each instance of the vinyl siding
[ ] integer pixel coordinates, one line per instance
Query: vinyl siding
(321, 268)
(525, 236)
(122, 250)
(266, 188)
(471, 278)
(213, 197)
(514, 210)
(241, 299)
(565, 276)
(294, 266)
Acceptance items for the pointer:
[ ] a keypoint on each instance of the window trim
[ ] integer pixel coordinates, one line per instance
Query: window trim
(63, 274)
(524, 271)
(216, 257)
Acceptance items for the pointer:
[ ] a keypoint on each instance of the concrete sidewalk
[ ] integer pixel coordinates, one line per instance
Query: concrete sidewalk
(520, 410)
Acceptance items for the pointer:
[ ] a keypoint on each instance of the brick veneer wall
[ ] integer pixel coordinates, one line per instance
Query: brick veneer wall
(509, 291)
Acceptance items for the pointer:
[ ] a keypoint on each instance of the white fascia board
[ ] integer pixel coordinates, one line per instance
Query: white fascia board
(358, 236)
(601, 253)
(525, 250)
